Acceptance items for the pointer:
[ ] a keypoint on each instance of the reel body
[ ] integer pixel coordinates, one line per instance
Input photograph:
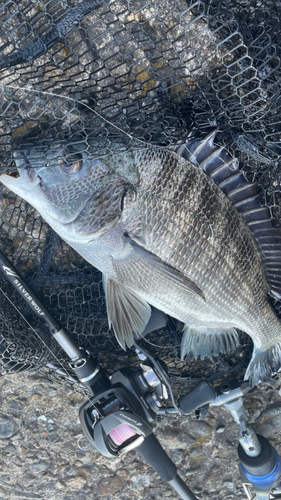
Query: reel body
(119, 418)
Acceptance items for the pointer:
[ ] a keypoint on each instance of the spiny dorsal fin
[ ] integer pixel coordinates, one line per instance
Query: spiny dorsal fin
(223, 169)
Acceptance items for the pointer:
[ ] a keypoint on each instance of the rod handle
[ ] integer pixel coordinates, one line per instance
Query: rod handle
(153, 453)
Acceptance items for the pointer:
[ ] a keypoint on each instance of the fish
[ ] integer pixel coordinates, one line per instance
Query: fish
(180, 230)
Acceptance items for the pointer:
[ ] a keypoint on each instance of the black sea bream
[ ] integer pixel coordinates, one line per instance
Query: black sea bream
(164, 234)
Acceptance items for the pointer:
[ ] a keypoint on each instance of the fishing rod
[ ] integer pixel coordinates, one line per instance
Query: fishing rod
(119, 416)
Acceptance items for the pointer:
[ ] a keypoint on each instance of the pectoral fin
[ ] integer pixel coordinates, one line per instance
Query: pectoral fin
(144, 265)
(140, 271)
(127, 312)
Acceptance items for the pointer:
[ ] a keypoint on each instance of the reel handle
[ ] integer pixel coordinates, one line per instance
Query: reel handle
(202, 394)
(153, 453)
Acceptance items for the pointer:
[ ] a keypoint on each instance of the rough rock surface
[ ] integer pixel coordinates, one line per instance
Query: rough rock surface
(45, 456)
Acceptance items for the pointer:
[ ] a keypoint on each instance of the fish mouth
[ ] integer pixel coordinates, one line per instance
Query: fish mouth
(24, 172)
(23, 169)
(13, 173)
(28, 174)
(33, 176)
(20, 177)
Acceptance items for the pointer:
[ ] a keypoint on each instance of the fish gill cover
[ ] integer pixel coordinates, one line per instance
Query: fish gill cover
(105, 75)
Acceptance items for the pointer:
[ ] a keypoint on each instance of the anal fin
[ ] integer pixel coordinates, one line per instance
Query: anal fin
(205, 342)
(128, 314)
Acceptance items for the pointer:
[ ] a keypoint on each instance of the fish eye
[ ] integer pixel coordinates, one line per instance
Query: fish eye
(71, 164)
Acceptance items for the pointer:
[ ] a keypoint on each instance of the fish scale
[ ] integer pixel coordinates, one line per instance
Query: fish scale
(164, 234)
(184, 262)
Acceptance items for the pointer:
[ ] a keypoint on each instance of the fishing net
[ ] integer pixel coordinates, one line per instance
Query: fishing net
(104, 76)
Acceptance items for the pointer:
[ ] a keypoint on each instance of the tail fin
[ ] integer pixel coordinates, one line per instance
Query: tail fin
(263, 365)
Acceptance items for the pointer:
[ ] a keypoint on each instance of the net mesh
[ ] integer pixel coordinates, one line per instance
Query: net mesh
(105, 75)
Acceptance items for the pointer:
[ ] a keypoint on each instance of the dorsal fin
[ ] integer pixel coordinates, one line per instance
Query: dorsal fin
(223, 169)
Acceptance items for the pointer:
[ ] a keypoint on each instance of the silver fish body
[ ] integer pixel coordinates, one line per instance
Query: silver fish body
(163, 234)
